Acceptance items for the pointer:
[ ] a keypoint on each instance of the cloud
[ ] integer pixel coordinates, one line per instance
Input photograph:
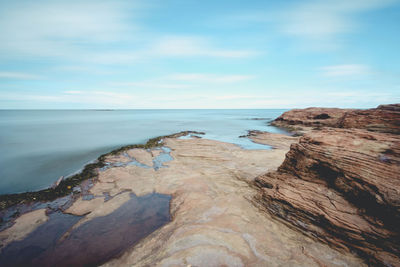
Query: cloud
(209, 78)
(18, 76)
(74, 92)
(327, 17)
(184, 81)
(113, 57)
(349, 99)
(184, 46)
(349, 70)
(154, 47)
(87, 98)
(98, 96)
(152, 85)
(238, 97)
(92, 31)
(322, 21)
(278, 99)
(49, 28)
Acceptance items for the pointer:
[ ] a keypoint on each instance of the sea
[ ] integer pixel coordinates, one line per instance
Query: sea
(39, 146)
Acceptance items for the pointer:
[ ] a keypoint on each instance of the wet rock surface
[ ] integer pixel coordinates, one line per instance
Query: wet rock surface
(69, 240)
(342, 186)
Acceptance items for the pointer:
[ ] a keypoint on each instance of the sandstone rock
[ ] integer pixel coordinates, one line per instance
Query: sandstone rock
(141, 155)
(311, 117)
(343, 187)
(214, 221)
(24, 225)
(384, 118)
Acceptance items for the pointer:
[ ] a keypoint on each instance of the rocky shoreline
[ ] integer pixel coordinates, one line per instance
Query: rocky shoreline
(69, 185)
(334, 201)
(341, 182)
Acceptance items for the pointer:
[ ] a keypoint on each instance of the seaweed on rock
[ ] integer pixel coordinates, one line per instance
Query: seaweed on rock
(89, 171)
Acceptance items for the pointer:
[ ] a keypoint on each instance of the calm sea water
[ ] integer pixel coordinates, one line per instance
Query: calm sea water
(39, 146)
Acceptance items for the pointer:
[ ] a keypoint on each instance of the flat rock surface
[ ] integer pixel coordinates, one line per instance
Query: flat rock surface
(23, 225)
(142, 156)
(214, 220)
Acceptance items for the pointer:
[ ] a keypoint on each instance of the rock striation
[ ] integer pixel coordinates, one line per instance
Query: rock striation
(342, 186)
(313, 117)
(384, 118)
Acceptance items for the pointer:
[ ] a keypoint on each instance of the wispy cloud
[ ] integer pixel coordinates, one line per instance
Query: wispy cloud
(183, 46)
(238, 97)
(87, 98)
(350, 70)
(183, 81)
(151, 85)
(18, 76)
(60, 28)
(74, 92)
(327, 18)
(114, 99)
(96, 32)
(107, 96)
(209, 78)
(323, 20)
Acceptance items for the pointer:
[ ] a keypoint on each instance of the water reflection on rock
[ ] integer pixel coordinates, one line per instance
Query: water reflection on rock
(93, 242)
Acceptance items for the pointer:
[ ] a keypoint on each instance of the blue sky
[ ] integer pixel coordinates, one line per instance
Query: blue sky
(199, 54)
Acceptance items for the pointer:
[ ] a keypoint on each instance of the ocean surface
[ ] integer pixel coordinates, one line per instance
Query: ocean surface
(39, 146)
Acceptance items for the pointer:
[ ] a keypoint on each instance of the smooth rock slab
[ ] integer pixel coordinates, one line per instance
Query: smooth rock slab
(215, 222)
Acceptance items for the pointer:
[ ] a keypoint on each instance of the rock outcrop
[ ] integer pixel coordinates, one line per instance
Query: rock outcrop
(313, 117)
(342, 186)
(384, 118)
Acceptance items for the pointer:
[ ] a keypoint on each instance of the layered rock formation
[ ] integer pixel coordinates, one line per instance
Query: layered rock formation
(384, 118)
(342, 186)
(312, 117)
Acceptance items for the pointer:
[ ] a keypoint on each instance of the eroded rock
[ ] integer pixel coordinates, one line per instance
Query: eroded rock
(343, 187)
(384, 118)
(312, 117)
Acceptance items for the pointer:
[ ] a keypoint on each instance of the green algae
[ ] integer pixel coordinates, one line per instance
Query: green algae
(89, 171)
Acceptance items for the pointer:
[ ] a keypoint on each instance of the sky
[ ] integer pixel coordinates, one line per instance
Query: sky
(185, 54)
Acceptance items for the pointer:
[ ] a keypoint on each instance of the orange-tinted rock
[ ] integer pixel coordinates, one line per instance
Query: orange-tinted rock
(341, 186)
(385, 118)
(311, 117)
